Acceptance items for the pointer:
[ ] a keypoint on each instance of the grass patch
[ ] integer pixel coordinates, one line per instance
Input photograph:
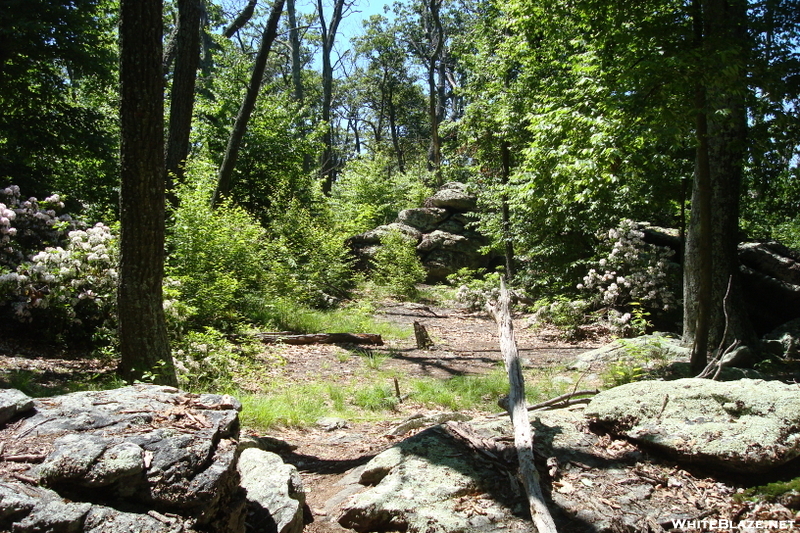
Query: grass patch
(282, 315)
(461, 392)
(302, 405)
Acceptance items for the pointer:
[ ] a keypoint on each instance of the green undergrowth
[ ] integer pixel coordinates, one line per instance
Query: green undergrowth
(770, 491)
(372, 396)
(282, 315)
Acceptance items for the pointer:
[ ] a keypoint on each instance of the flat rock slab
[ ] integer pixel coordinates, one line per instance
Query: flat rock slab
(744, 426)
(146, 448)
(432, 483)
(13, 402)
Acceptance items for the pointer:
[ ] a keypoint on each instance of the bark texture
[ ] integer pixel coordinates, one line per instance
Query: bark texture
(187, 59)
(725, 38)
(225, 175)
(144, 345)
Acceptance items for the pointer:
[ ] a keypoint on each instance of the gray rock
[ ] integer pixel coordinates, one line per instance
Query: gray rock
(423, 219)
(453, 196)
(331, 423)
(13, 402)
(53, 516)
(144, 446)
(421, 484)
(743, 426)
(784, 341)
(17, 500)
(101, 519)
(658, 348)
(274, 492)
(374, 236)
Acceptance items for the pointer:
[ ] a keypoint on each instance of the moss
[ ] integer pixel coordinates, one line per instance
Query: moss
(770, 491)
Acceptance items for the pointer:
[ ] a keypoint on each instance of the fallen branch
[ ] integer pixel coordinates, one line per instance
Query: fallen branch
(565, 400)
(320, 338)
(523, 439)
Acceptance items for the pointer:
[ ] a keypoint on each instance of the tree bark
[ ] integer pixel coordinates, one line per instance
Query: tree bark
(182, 95)
(144, 345)
(724, 46)
(327, 167)
(225, 175)
(243, 18)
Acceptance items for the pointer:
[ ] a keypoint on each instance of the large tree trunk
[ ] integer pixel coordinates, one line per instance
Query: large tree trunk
(725, 47)
(187, 59)
(225, 175)
(144, 344)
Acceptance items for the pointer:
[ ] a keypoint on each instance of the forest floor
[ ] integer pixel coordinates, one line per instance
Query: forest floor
(464, 344)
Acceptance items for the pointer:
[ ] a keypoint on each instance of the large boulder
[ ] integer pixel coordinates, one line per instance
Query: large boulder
(421, 485)
(742, 426)
(275, 497)
(445, 243)
(142, 449)
(453, 196)
(423, 218)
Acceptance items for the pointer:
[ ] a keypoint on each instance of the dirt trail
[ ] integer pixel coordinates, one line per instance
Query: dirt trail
(464, 344)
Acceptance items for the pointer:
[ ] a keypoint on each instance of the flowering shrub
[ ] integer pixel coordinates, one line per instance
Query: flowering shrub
(27, 226)
(633, 272)
(72, 285)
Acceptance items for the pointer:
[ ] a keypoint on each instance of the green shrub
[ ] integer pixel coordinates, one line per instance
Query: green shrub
(370, 192)
(566, 315)
(216, 256)
(396, 265)
(207, 361)
(306, 260)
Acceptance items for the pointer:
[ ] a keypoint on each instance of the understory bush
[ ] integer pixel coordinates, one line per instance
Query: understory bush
(216, 257)
(396, 265)
(370, 192)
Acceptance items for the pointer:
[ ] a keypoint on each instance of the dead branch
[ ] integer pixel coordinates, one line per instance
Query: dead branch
(320, 338)
(523, 439)
(565, 400)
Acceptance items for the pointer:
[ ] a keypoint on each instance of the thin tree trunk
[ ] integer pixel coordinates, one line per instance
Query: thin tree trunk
(144, 344)
(508, 242)
(243, 18)
(224, 178)
(182, 95)
(327, 161)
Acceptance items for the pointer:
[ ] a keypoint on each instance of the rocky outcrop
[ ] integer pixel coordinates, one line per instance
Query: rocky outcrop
(742, 426)
(101, 461)
(439, 481)
(422, 485)
(440, 230)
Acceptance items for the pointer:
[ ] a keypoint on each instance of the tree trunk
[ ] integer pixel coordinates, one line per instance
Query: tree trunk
(437, 46)
(144, 345)
(241, 20)
(225, 176)
(517, 408)
(697, 286)
(725, 42)
(327, 166)
(182, 96)
(508, 242)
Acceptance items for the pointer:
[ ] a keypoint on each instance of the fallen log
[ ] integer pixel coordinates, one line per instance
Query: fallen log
(286, 337)
(523, 439)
